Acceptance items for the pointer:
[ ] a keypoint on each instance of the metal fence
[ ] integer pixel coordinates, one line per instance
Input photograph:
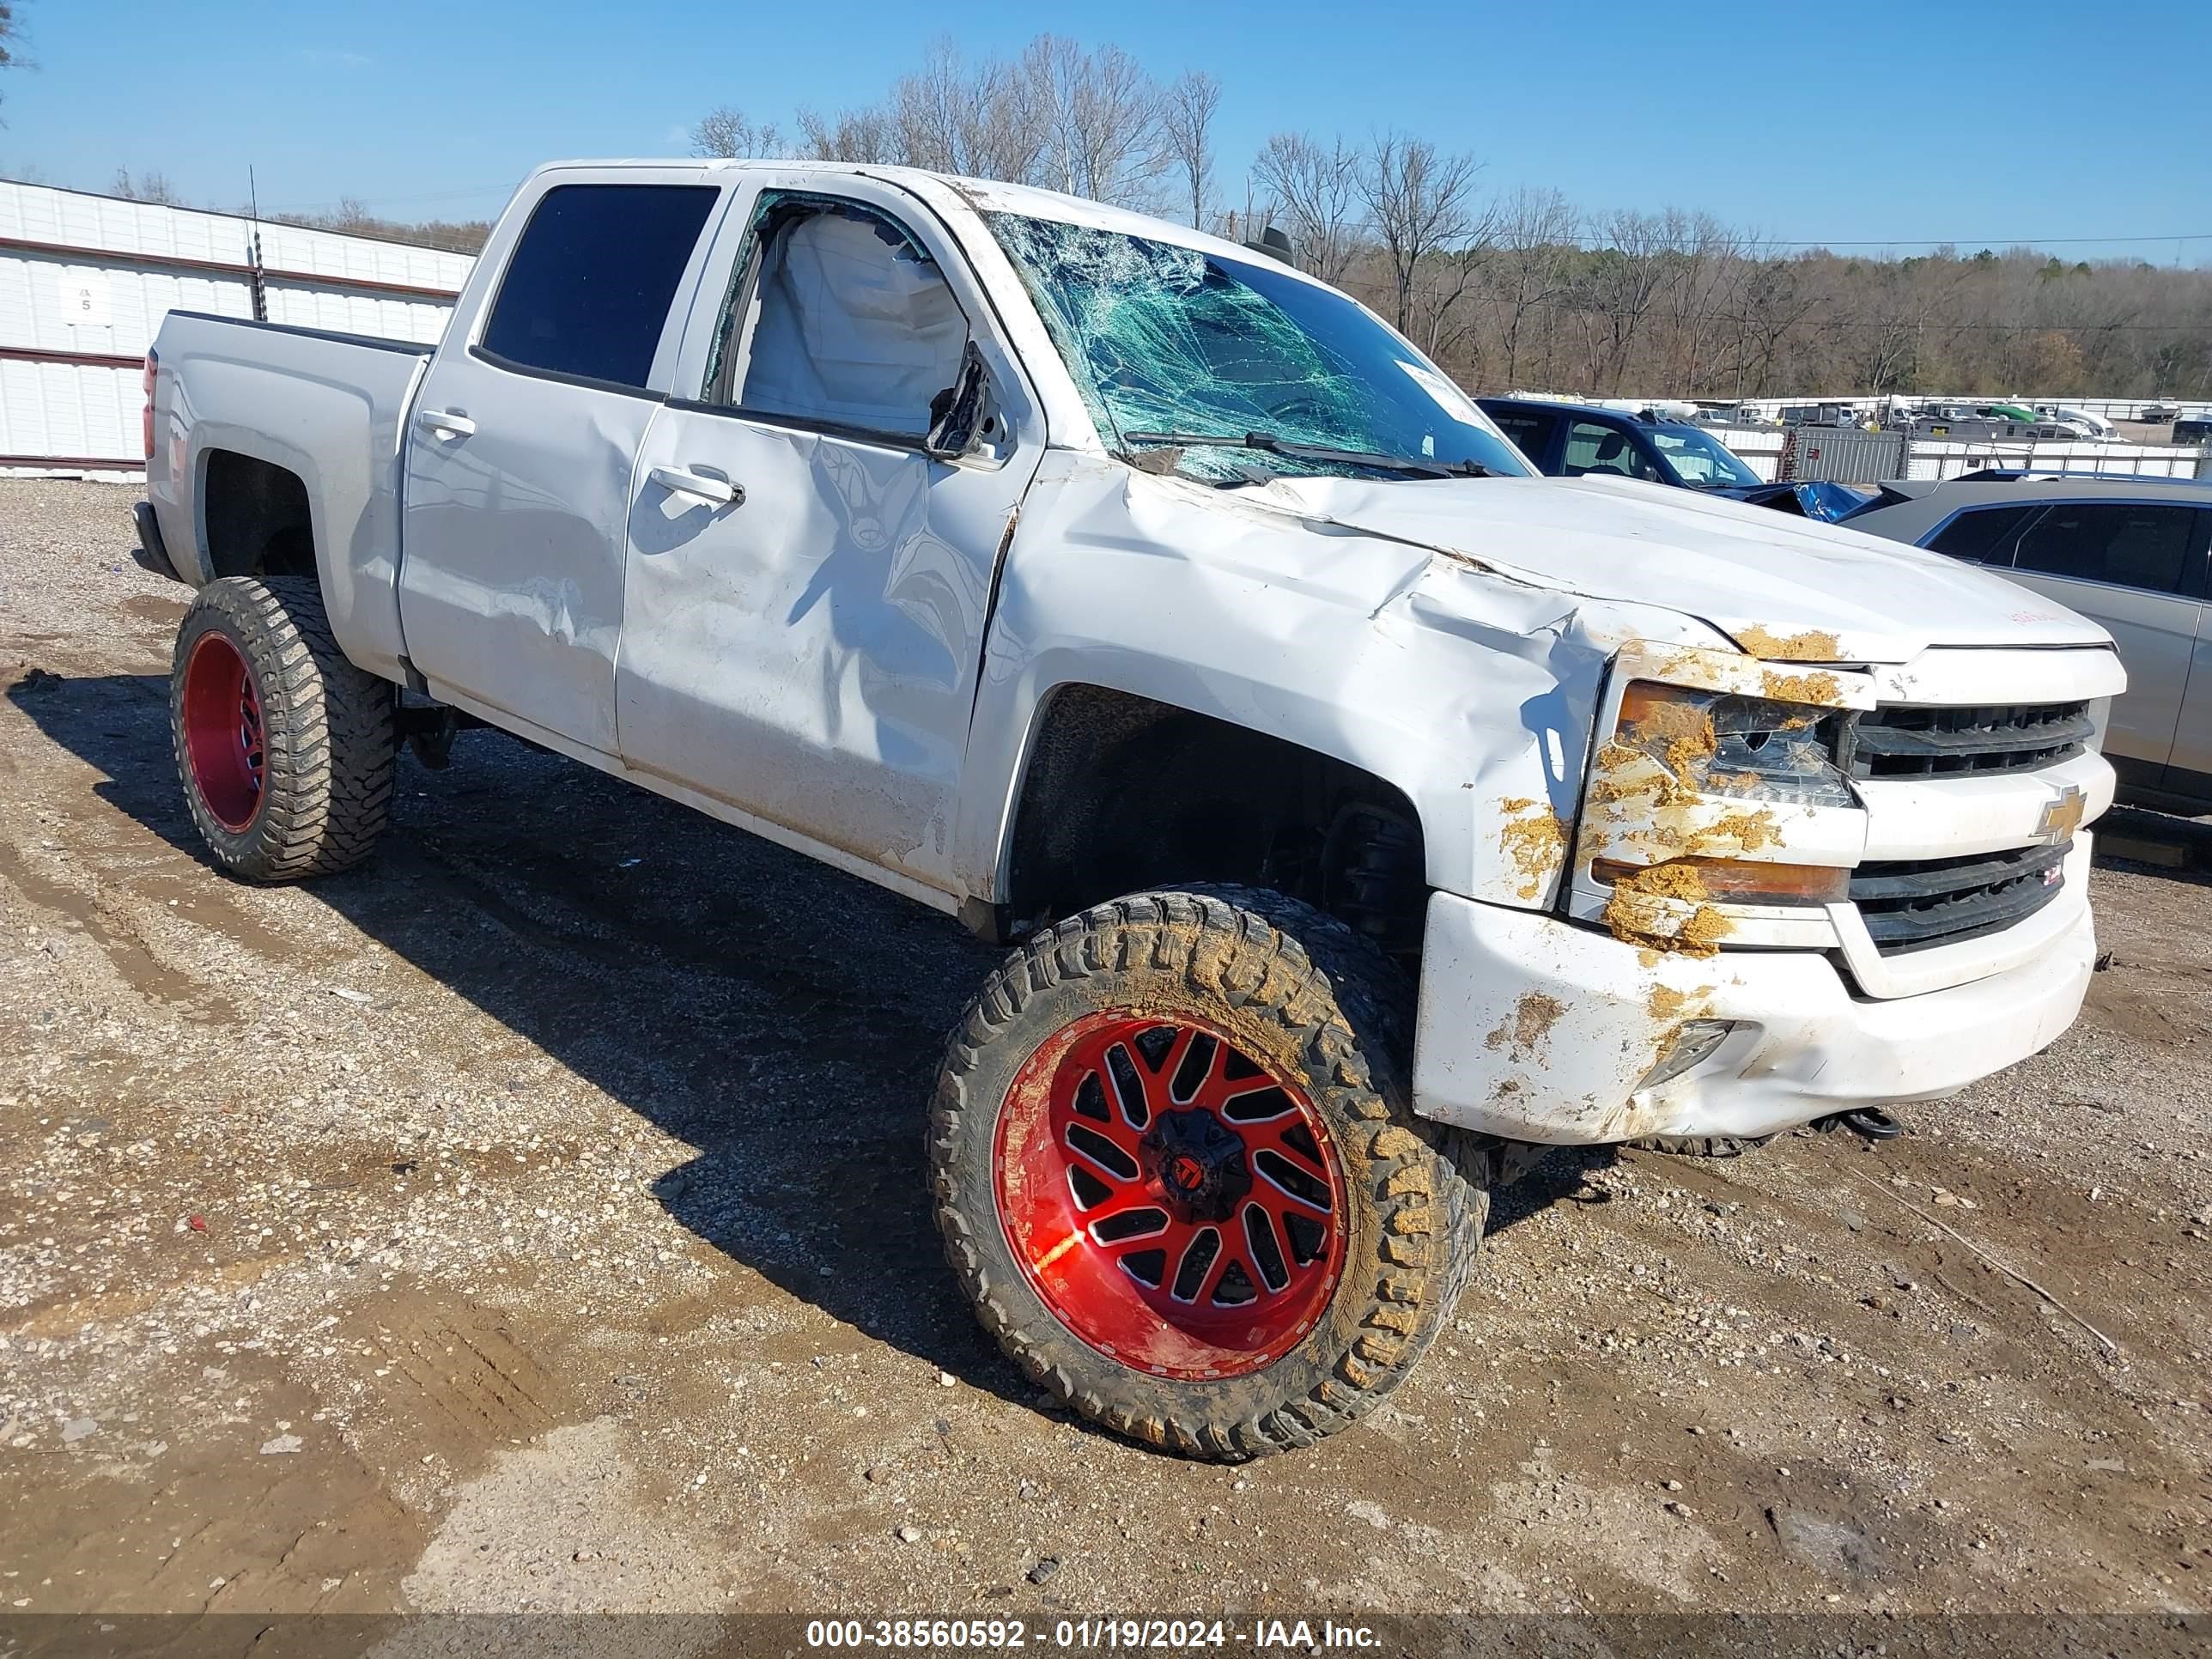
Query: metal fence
(1839, 455)
(85, 281)
(1940, 458)
(2112, 409)
(1758, 448)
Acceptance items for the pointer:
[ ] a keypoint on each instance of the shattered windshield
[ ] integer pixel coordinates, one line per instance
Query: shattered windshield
(1701, 462)
(1168, 340)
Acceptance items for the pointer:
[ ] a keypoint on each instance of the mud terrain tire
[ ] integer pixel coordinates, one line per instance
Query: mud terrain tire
(1279, 989)
(284, 748)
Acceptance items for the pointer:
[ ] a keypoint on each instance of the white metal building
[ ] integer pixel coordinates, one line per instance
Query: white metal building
(85, 281)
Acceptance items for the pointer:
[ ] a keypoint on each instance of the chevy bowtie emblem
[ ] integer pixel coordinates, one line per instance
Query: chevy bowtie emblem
(2062, 817)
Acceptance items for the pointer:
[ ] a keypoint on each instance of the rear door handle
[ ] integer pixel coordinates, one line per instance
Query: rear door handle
(700, 486)
(446, 421)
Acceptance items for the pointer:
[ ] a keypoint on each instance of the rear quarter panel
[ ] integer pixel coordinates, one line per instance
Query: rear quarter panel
(330, 409)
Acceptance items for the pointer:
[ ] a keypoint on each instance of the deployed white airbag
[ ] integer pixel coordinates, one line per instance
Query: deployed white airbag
(854, 326)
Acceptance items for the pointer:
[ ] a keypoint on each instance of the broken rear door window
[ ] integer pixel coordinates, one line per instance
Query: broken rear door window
(839, 317)
(1164, 338)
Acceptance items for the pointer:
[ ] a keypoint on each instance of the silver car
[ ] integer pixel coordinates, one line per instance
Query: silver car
(2127, 552)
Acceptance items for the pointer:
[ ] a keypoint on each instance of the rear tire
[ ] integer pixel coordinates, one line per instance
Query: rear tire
(285, 749)
(1262, 1069)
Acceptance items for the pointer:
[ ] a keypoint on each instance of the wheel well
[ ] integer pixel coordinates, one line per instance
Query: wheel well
(1123, 792)
(257, 518)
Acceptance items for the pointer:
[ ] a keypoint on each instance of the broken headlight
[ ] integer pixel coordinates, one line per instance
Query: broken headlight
(1754, 748)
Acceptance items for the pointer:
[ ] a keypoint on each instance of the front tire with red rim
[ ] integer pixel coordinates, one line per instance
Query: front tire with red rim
(286, 750)
(1177, 1171)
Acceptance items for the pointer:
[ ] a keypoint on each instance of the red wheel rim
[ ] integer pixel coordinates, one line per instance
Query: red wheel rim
(1178, 1207)
(223, 730)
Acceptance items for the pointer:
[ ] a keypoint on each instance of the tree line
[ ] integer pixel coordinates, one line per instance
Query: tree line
(1516, 287)
(1509, 286)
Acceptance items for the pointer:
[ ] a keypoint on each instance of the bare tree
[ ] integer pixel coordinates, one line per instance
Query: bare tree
(988, 122)
(1531, 270)
(1770, 299)
(725, 130)
(1316, 195)
(1103, 115)
(1618, 287)
(1698, 251)
(1443, 321)
(1420, 203)
(11, 37)
(146, 187)
(1187, 110)
(865, 135)
(1890, 321)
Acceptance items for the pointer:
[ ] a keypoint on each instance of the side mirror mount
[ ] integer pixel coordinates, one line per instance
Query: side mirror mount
(956, 413)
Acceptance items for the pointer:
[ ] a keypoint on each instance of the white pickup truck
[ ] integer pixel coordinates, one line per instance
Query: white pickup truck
(1364, 811)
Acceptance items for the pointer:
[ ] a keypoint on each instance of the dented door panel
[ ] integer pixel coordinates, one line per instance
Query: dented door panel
(810, 654)
(512, 590)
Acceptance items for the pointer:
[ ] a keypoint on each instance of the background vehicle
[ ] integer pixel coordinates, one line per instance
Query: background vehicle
(2128, 552)
(2094, 428)
(1838, 415)
(1148, 604)
(1569, 440)
(1976, 426)
(1573, 441)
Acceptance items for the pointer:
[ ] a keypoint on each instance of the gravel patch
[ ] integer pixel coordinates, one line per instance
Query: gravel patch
(535, 1218)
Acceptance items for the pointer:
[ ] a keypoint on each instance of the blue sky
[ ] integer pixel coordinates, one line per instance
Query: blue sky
(1860, 123)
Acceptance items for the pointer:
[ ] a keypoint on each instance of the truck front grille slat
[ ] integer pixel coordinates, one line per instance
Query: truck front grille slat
(1911, 904)
(1904, 740)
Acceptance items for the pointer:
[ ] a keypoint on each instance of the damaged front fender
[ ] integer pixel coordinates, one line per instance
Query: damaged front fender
(1472, 692)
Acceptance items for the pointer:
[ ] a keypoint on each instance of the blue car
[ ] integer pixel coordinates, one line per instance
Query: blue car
(1569, 440)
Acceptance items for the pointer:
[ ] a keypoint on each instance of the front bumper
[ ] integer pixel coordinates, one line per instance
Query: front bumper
(1534, 1028)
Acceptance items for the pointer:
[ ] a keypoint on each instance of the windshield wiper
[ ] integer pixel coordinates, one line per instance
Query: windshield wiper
(1272, 445)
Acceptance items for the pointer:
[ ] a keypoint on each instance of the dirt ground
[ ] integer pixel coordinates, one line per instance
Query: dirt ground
(535, 1221)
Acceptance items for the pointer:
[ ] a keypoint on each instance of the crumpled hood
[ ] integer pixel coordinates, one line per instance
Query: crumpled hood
(1779, 587)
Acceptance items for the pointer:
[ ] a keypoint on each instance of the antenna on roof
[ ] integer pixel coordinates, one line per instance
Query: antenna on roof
(260, 291)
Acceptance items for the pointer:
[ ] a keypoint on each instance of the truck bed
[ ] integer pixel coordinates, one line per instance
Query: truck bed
(328, 408)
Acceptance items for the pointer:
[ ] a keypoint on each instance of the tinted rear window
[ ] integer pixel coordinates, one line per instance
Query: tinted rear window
(1531, 433)
(1984, 534)
(588, 288)
(2129, 546)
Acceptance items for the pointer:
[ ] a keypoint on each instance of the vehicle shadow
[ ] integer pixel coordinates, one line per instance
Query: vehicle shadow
(780, 1018)
(2136, 839)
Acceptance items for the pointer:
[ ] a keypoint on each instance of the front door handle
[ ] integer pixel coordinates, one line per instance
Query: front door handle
(446, 423)
(700, 486)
